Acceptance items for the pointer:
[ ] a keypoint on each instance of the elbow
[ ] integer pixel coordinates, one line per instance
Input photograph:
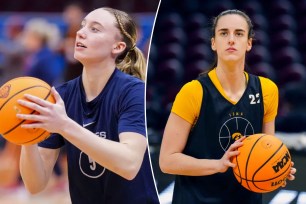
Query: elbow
(131, 171)
(34, 190)
(163, 164)
(130, 176)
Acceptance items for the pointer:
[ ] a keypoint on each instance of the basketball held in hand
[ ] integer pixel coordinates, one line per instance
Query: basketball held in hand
(263, 164)
(12, 91)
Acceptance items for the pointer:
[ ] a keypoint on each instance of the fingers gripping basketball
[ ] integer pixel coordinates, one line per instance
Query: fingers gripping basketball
(12, 91)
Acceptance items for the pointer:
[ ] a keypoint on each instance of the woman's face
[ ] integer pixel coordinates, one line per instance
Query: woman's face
(231, 38)
(98, 38)
(31, 41)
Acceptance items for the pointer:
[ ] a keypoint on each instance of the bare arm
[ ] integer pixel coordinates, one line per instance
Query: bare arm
(36, 166)
(173, 161)
(269, 128)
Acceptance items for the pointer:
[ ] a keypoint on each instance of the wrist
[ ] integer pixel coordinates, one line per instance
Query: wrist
(219, 167)
(29, 147)
(212, 166)
(66, 127)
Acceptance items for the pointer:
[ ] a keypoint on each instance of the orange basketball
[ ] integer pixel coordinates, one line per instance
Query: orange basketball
(10, 92)
(263, 164)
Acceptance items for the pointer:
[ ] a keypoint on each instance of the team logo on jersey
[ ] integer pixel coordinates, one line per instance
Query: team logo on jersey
(236, 136)
(233, 129)
(88, 166)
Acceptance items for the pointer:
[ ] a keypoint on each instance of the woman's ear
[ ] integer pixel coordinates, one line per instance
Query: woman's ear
(213, 46)
(249, 46)
(119, 47)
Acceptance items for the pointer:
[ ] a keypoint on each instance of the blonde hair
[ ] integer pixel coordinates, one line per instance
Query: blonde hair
(48, 32)
(131, 60)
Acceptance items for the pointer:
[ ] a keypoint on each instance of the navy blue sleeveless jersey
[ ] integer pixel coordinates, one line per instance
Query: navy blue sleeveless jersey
(220, 123)
(118, 108)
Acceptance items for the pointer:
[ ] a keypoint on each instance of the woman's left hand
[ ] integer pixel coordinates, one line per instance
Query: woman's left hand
(51, 117)
(291, 176)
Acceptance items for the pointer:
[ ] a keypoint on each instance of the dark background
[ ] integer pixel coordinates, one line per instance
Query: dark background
(14, 61)
(180, 50)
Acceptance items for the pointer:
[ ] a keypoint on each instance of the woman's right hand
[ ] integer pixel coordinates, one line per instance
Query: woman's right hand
(226, 161)
(51, 117)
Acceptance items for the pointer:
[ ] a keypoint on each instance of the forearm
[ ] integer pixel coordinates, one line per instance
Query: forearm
(32, 169)
(117, 157)
(182, 164)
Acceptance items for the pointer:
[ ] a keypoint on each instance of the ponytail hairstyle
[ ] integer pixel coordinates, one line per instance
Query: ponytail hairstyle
(131, 60)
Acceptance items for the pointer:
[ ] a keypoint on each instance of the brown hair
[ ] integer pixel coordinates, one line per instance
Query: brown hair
(131, 60)
(251, 33)
(215, 20)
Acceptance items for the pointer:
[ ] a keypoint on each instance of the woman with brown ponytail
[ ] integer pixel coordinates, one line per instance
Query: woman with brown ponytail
(99, 117)
(200, 137)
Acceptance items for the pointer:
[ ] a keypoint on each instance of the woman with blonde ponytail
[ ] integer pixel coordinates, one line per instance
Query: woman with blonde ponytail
(131, 60)
(99, 117)
(134, 64)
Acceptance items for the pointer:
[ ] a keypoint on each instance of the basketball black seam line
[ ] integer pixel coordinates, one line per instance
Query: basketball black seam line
(246, 166)
(281, 145)
(7, 132)
(25, 77)
(250, 180)
(19, 93)
(265, 163)
(238, 167)
(33, 139)
(238, 170)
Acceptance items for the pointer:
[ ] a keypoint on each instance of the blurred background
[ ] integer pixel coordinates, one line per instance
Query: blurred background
(37, 39)
(180, 50)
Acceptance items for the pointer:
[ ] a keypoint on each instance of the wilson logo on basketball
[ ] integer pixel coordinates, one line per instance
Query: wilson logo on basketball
(5, 90)
(276, 183)
(253, 165)
(280, 164)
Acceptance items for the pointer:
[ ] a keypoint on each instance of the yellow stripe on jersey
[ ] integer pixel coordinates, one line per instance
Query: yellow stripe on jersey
(188, 101)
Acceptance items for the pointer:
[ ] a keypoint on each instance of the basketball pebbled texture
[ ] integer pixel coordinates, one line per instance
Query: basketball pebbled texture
(12, 91)
(263, 164)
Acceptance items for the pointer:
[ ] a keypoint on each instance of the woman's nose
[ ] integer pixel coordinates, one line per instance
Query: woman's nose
(81, 33)
(231, 39)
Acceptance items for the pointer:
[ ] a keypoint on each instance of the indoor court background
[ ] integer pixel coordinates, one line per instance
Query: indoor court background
(180, 50)
(14, 14)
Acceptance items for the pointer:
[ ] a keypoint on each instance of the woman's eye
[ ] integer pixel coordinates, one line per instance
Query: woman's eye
(223, 33)
(94, 29)
(239, 34)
